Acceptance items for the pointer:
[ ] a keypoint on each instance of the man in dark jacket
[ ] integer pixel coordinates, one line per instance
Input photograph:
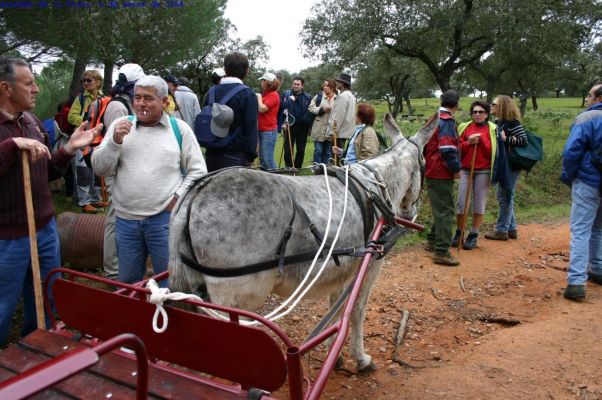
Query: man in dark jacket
(242, 150)
(295, 103)
(22, 131)
(582, 170)
(442, 167)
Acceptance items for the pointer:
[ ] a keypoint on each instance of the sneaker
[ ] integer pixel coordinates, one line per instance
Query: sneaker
(496, 235)
(596, 278)
(89, 209)
(429, 246)
(445, 260)
(456, 239)
(513, 234)
(471, 241)
(574, 292)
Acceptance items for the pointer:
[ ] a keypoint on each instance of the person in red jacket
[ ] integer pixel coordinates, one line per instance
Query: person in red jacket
(478, 135)
(442, 167)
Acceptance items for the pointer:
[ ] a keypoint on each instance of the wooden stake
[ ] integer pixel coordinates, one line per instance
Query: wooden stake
(33, 243)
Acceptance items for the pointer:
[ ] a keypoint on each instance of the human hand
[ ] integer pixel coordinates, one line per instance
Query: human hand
(172, 203)
(503, 135)
(292, 98)
(326, 108)
(82, 137)
(337, 150)
(36, 148)
(122, 128)
(474, 139)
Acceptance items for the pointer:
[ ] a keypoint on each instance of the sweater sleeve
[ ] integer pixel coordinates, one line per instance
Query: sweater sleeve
(191, 159)
(106, 155)
(516, 135)
(8, 155)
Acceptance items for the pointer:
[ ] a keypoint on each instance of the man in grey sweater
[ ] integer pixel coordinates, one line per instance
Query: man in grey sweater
(154, 163)
(187, 103)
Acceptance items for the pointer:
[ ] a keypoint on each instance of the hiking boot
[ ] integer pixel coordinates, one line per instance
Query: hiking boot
(89, 209)
(513, 234)
(429, 246)
(445, 260)
(471, 241)
(456, 239)
(496, 235)
(574, 292)
(596, 278)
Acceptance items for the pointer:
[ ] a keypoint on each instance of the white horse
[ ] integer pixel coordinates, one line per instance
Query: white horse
(240, 216)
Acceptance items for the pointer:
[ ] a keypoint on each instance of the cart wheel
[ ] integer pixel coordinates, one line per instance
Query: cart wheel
(255, 394)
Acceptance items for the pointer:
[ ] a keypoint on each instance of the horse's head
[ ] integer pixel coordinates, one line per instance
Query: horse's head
(405, 165)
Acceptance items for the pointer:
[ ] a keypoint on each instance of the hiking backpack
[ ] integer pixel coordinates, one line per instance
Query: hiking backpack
(202, 122)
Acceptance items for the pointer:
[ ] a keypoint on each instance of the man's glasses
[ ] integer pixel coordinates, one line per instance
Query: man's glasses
(479, 112)
(87, 80)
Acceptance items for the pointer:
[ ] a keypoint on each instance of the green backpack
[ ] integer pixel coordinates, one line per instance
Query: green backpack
(525, 158)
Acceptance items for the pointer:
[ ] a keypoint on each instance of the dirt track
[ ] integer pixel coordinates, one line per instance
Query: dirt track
(458, 350)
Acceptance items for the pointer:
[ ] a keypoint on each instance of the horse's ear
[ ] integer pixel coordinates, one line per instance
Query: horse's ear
(391, 128)
(425, 133)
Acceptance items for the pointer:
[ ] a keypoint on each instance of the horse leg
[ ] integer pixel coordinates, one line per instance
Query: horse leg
(364, 361)
(332, 299)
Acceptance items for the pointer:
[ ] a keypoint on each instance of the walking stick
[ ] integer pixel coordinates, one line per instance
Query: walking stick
(33, 243)
(468, 194)
(335, 132)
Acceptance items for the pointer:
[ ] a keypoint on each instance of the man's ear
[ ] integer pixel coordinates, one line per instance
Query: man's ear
(5, 87)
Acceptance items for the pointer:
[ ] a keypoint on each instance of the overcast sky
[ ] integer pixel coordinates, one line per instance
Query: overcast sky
(279, 22)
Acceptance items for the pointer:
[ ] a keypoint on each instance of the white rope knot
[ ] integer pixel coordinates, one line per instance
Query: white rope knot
(158, 296)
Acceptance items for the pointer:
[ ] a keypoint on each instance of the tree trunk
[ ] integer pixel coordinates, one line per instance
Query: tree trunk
(81, 60)
(523, 104)
(534, 102)
(409, 104)
(397, 106)
(443, 82)
(107, 82)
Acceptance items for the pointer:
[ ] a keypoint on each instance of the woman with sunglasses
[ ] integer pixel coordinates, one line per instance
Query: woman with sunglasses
(88, 194)
(477, 136)
(512, 134)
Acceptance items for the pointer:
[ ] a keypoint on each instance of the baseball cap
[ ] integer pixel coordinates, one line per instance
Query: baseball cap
(132, 72)
(221, 119)
(268, 76)
(171, 79)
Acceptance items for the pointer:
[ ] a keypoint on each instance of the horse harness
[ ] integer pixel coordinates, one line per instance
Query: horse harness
(368, 201)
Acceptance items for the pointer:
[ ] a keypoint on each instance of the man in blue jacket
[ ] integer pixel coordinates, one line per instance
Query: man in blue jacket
(579, 170)
(242, 150)
(296, 101)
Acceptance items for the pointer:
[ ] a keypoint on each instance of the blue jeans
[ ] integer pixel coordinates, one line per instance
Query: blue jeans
(16, 277)
(136, 239)
(322, 152)
(586, 233)
(267, 143)
(505, 197)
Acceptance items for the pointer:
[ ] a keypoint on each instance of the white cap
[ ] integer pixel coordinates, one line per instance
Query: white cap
(268, 76)
(219, 72)
(132, 72)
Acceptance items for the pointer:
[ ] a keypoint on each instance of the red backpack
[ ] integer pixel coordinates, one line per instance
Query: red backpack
(62, 115)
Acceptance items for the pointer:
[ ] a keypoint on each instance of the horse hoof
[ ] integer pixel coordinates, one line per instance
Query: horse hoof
(367, 369)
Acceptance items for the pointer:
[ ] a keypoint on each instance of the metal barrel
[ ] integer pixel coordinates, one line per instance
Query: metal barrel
(81, 237)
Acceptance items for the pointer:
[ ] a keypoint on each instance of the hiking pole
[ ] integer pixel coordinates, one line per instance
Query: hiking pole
(290, 144)
(33, 243)
(335, 132)
(468, 194)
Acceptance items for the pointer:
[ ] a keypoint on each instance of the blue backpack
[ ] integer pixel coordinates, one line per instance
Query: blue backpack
(202, 122)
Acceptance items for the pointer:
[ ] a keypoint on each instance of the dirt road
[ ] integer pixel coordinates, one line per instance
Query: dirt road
(463, 342)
